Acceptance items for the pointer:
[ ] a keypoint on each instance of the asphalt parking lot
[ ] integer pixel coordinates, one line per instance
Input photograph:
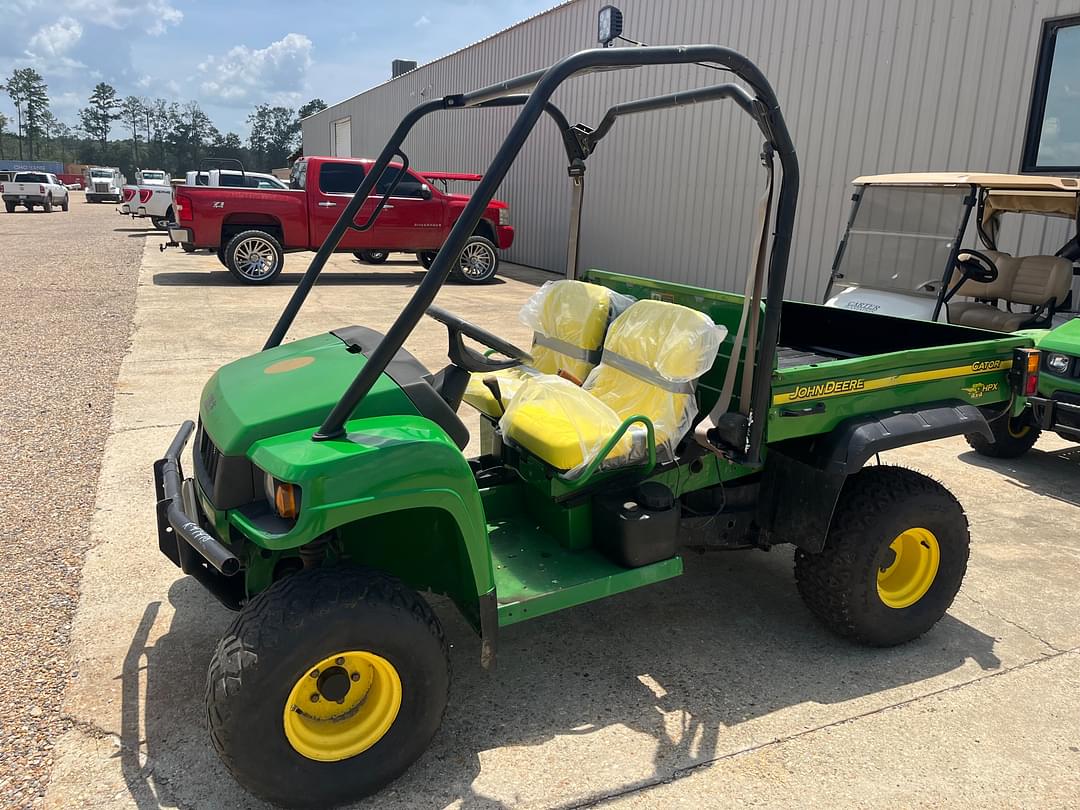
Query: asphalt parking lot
(717, 689)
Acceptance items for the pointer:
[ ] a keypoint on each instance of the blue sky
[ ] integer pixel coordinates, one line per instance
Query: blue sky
(234, 54)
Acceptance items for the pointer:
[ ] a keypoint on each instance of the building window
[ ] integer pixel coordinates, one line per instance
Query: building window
(1052, 143)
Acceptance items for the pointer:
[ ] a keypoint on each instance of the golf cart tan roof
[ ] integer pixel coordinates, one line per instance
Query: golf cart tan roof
(987, 180)
(1009, 193)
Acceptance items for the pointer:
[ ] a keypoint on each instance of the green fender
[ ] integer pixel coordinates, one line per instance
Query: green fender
(400, 496)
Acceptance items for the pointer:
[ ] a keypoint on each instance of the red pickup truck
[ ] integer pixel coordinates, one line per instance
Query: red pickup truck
(251, 229)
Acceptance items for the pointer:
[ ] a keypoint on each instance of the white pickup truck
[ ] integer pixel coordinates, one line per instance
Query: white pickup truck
(151, 196)
(230, 178)
(104, 184)
(34, 188)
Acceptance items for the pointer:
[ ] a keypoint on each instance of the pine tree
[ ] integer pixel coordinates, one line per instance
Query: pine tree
(102, 110)
(29, 94)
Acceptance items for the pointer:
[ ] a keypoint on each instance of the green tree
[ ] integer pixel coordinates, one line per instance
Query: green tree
(29, 94)
(312, 107)
(273, 133)
(102, 110)
(191, 133)
(62, 136)
(131, 110)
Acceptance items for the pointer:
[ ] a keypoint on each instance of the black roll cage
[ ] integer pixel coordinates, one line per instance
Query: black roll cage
(579, 142)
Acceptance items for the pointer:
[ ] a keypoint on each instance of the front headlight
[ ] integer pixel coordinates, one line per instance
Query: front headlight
(1058, 363)
(504, 216)
(284, 498)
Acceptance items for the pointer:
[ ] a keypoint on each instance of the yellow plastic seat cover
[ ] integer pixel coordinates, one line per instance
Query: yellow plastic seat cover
(568, 319)
(653, 355)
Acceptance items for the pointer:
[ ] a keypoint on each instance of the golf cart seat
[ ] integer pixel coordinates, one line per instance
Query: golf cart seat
(1041, 282)
(653, 355)
(569, 319)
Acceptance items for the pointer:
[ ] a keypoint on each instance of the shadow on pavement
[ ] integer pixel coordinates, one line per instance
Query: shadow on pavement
(727, 643)
(1053, 473)
(140, 231)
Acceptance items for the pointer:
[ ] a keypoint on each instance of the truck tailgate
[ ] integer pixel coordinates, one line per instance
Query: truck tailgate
(22, 189)
(215, 208)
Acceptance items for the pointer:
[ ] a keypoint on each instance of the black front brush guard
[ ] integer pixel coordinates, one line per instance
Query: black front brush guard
(182, 539)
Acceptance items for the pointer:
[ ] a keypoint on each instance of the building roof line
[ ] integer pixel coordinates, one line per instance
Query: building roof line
(438, 59)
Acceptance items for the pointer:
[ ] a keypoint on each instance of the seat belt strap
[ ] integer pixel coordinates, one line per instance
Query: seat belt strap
(645, 373)
(569, 349)
(750, 317)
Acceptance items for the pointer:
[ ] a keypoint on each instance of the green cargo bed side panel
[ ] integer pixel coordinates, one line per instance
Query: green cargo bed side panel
(814, 399)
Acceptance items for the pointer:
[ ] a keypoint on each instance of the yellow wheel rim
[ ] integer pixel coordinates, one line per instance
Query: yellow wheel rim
(1018, 432)
(342, 706)
(912, 571)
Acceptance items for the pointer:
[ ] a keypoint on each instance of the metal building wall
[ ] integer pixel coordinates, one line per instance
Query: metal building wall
(867, 86)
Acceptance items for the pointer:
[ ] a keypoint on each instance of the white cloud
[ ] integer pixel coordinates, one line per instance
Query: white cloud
(422, 21)
(56, 39)
(154, 16)
(275, 74)
(48, 49)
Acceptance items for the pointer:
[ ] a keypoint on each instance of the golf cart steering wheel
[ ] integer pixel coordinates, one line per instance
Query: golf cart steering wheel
(973, 266)
(470, 359)
(976, 266)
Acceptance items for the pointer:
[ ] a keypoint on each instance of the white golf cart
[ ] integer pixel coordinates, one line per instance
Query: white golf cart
(901, 252)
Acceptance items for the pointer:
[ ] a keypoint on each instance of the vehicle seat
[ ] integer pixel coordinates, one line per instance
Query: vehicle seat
(1041, 282)
(569, 319)
(653, 355)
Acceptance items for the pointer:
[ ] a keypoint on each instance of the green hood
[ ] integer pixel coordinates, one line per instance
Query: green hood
(1064, 339)
(287, 388)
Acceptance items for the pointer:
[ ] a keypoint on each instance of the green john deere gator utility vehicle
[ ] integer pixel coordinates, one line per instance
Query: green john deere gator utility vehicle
(330, 487)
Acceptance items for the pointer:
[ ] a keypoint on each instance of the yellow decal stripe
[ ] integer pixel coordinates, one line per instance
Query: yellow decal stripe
(845, 387)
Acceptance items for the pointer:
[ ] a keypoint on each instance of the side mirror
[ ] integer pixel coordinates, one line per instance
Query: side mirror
(425, 191)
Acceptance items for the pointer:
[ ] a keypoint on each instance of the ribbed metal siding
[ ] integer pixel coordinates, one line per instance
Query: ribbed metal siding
(867, 86)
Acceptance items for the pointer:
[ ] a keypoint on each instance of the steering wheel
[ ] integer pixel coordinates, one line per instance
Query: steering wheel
(976, 266)
(470, 359)
(973, 266)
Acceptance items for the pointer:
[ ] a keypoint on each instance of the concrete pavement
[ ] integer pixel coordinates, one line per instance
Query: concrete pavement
(716, 689)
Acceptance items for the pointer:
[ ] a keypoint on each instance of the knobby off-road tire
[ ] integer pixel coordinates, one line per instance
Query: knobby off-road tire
(881, 509)
(304, 620)
(254, 257)
(1013, 436)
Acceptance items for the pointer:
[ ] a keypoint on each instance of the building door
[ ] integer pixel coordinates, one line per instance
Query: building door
(341, 138)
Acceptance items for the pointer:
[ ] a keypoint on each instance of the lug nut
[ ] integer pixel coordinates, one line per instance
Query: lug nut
(356, 676)
(315, 698)
(339, 661)
(314, 673)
